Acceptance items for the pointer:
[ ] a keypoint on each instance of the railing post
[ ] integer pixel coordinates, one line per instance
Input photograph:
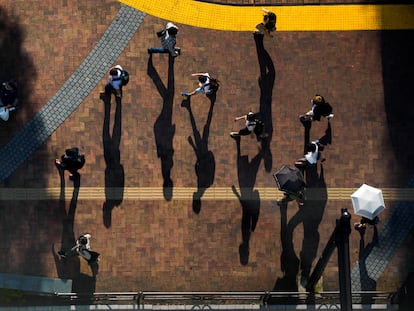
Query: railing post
(140, 298)
(342, 232)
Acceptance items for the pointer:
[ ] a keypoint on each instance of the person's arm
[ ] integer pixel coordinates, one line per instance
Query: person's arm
(200, 74)
(240, 118)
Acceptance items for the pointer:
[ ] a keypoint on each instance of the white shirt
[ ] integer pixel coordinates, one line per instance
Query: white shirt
(312, 157)
(204, 87)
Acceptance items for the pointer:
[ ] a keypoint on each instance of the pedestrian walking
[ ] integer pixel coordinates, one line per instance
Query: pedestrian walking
(206, 85)
(8, 94)
(253, 125)
(71, 161)
(82, 248)
(118, 77)
(268, 26)
(361, 226)
(8, 98)
(311, 156)
(168, 37)
(320, 108)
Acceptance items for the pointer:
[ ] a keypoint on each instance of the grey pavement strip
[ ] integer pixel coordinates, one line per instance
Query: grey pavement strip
(393, 233)
(73, 92)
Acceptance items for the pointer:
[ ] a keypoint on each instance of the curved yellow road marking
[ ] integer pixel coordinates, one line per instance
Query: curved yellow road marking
(289, 18)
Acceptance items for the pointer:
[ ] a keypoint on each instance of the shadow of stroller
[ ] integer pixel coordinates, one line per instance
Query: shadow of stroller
(249, 198)
(69, 268)
(114, 171)
(164, 130)
(205, 166)
(266, 84)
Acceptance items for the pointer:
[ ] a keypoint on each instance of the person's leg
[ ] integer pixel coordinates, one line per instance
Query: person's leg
(243, 132)
(157, 50)
(108, 89)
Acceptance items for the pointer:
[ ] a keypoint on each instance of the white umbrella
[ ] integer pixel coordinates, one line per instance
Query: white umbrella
(368, 201)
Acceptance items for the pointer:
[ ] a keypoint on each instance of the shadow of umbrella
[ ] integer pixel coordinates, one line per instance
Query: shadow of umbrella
(164, 130)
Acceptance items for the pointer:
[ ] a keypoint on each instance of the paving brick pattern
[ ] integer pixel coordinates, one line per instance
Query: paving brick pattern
(73, 92)
(164, 245)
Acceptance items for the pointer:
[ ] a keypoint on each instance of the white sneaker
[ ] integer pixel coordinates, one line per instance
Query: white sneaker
(330, 116)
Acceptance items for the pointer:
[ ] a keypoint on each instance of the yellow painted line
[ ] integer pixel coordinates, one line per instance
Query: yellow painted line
(179, 193)
(346, 17)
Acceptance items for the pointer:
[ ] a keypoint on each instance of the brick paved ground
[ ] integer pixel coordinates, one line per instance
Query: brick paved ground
(164, 245)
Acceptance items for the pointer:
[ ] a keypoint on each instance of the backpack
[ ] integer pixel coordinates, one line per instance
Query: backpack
(259, 128)
(214, 85)
(124, 77)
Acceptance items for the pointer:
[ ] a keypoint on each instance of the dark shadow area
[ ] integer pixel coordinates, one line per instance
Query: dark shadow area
(15, 64)
(249, 198)
(310, 216)
(69, 267)
(114, 171)
(266, 83)
(164, 130)
(205, 165)
(397, 50)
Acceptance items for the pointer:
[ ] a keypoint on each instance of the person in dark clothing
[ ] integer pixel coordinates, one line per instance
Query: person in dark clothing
(253, 125)
(362, 225)
(269, 23)
(320, 108)
(71, 161)
(8, 94)
(82, 248)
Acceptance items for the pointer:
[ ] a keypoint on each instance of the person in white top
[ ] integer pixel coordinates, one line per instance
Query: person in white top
(203, 84)
(250, 125)
(168, 41)
(83, 249)
(114, 82)
(311, 156)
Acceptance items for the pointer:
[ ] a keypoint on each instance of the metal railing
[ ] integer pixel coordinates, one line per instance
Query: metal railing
(185, 298)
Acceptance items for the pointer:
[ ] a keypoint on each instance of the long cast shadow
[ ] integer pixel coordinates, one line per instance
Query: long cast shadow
(69, 268)
(249, 198)
(164, 129)
(310, 215)
(397, 50)
(205, 165)
(114, 171)
(266, 84)
(397, 70)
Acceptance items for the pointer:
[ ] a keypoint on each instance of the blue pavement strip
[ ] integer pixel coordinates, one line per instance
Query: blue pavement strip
(35, 283)
(73, 92)
(392, 235)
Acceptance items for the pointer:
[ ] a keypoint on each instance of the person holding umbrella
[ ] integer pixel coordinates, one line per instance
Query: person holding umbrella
(292, 183)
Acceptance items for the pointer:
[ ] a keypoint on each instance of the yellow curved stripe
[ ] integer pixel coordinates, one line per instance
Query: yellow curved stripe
(289, 18)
